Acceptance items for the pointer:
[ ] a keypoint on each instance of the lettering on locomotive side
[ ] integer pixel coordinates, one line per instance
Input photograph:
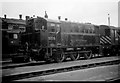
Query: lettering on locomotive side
(52, 24)
(15, 36)
(51, 38)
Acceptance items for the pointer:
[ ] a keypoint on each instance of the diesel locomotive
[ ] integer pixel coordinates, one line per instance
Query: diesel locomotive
(55, 40)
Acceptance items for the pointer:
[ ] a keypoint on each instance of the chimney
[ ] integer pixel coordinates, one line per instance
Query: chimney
(108, 20)
(46, 16)
(20, 16)
(5, 16)
(59, 17)
(66, 19)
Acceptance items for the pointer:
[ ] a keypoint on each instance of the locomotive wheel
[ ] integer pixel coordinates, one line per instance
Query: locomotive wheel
(59, 57)
(75, 56)
(88, 55)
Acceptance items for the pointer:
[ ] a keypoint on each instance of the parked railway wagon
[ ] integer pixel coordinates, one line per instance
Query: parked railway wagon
(11, 42)
(11, 31)
(55, 40)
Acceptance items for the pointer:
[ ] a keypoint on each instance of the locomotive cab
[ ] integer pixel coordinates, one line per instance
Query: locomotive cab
(44, 32)
(41, 34)
(109, 39)
(36, 31)
(105, 35)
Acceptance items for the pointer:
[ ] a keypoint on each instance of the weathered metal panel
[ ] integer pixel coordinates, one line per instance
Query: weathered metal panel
(43, 38)
(40, 23)
(77, 34)
(54, 33)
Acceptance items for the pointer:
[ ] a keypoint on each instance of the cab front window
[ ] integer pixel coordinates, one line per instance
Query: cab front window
(15, 36)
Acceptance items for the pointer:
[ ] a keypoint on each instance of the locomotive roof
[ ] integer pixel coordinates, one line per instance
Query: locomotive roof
(78, 23)
(111, 27)
(14, 21)
(48, 20)
(51, 20)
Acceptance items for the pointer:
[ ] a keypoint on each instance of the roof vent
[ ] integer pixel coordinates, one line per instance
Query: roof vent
(66, 19)
(33, 16)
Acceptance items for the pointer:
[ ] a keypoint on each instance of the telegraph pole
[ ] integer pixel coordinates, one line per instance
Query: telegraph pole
(108, 20)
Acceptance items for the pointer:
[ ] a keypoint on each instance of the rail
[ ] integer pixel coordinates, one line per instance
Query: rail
(59, 70)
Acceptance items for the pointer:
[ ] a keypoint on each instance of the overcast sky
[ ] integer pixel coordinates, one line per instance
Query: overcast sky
(92, 11)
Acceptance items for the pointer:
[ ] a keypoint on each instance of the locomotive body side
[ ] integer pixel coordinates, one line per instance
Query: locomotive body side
(76, 34)
(84, 37)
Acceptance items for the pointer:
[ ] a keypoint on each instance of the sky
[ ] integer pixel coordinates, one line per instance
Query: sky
(83, 11)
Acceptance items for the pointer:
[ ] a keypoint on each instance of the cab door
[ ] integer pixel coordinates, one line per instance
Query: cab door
(54, 37)
(43, 38)
(58, 35)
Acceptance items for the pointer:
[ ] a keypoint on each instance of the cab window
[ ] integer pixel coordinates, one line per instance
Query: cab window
(51, 27)
(107, 32)
(58, 28)
(13, 36)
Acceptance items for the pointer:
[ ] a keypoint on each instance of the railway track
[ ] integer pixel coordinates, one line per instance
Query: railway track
(33, 63)
(14, 65)
(113, 79)
(59, 68)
